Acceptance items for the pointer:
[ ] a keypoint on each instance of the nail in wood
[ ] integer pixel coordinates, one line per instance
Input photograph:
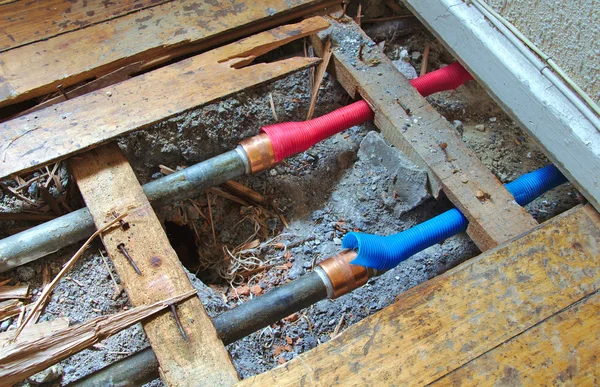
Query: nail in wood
(174, 311)
(121, 246)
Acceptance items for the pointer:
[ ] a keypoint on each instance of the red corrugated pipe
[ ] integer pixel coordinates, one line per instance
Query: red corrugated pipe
(289, 138)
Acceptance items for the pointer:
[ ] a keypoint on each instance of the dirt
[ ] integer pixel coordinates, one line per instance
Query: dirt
(322, 194)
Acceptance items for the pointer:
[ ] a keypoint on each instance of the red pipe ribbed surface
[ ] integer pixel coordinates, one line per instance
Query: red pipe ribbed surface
(289, 138)
(446, 78)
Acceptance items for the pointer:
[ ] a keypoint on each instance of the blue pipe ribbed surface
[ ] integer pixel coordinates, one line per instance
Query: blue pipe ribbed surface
(385, 252)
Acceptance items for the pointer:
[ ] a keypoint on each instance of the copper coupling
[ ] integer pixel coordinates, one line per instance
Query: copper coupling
(259, 153)
(340, 276)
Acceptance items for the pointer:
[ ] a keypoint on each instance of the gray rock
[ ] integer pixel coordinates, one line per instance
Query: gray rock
(48, 375)
(408, 181)
(25, 273)
(405, 68)
(5, 324)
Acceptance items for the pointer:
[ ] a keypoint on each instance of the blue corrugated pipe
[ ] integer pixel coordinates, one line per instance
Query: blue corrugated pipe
(385, 252)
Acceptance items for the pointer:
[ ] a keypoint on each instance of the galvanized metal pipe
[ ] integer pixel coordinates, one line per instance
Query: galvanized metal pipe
(142, 366)
(63, 231)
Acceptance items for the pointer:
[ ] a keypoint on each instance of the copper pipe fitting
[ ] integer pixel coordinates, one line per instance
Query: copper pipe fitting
(259, 151)
(344, 277)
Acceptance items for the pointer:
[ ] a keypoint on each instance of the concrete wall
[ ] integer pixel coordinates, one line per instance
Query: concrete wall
(568, 30)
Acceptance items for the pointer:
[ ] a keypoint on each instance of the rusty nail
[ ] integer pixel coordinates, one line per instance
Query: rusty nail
(174, 311)
(62, 91)
(121, 246)
(124, 225)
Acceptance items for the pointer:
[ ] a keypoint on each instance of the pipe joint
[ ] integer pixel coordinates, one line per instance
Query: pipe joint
(259, 153)
(342, 276)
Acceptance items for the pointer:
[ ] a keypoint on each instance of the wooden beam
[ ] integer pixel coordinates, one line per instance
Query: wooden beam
(76, 125)
(461, 174)
(444, 323)
(521, 84)
(560, 351)
(156, 35)
(24, 22)
(109, 186)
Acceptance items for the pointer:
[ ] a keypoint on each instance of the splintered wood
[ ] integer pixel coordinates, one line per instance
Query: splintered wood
(24, 359)
(196, 358)
(46, 135)
(500, 302)
(154, 35)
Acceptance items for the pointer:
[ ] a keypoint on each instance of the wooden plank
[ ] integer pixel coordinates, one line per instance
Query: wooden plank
(34, 331)
(10, 292)
(156, 34)
(108, 186)
(560, 351)
(75, 125)
(9, 308)
(457, 168)
(521, 85)
(442, 324)
(24, 22)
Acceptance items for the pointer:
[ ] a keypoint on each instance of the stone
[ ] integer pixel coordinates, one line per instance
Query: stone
(48, 375)
(25, 273)
(405, 68)
(406, 181)
(480, 127)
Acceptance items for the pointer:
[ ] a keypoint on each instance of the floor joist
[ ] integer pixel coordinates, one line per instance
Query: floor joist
(109, 186)
(365, 71)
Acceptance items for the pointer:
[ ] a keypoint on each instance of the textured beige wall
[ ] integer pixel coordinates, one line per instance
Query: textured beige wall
(568, 30)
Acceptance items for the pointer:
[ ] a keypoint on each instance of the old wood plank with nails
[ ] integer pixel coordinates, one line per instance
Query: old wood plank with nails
(76, 125)
(24, 22)
(412, 125)
(446, 322)
(154, 35)
(109, 186)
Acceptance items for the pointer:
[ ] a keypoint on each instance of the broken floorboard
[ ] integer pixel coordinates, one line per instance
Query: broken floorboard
(109, 186)
(443, 324)
(428, 139)
(24, 22)
(155, 35)
(79, 124)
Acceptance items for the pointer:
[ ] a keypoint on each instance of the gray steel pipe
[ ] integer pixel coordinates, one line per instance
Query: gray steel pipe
(55, 234)
(142, 366)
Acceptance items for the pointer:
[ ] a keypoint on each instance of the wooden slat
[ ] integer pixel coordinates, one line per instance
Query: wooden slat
(444, 323)
(108, 185)
(457, 168)
(560, 351)
(75, 125)
(10, 292)
(24, 22)
(156, 34)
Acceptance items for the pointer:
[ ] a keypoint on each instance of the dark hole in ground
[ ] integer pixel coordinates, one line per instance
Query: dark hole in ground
(183, 241)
